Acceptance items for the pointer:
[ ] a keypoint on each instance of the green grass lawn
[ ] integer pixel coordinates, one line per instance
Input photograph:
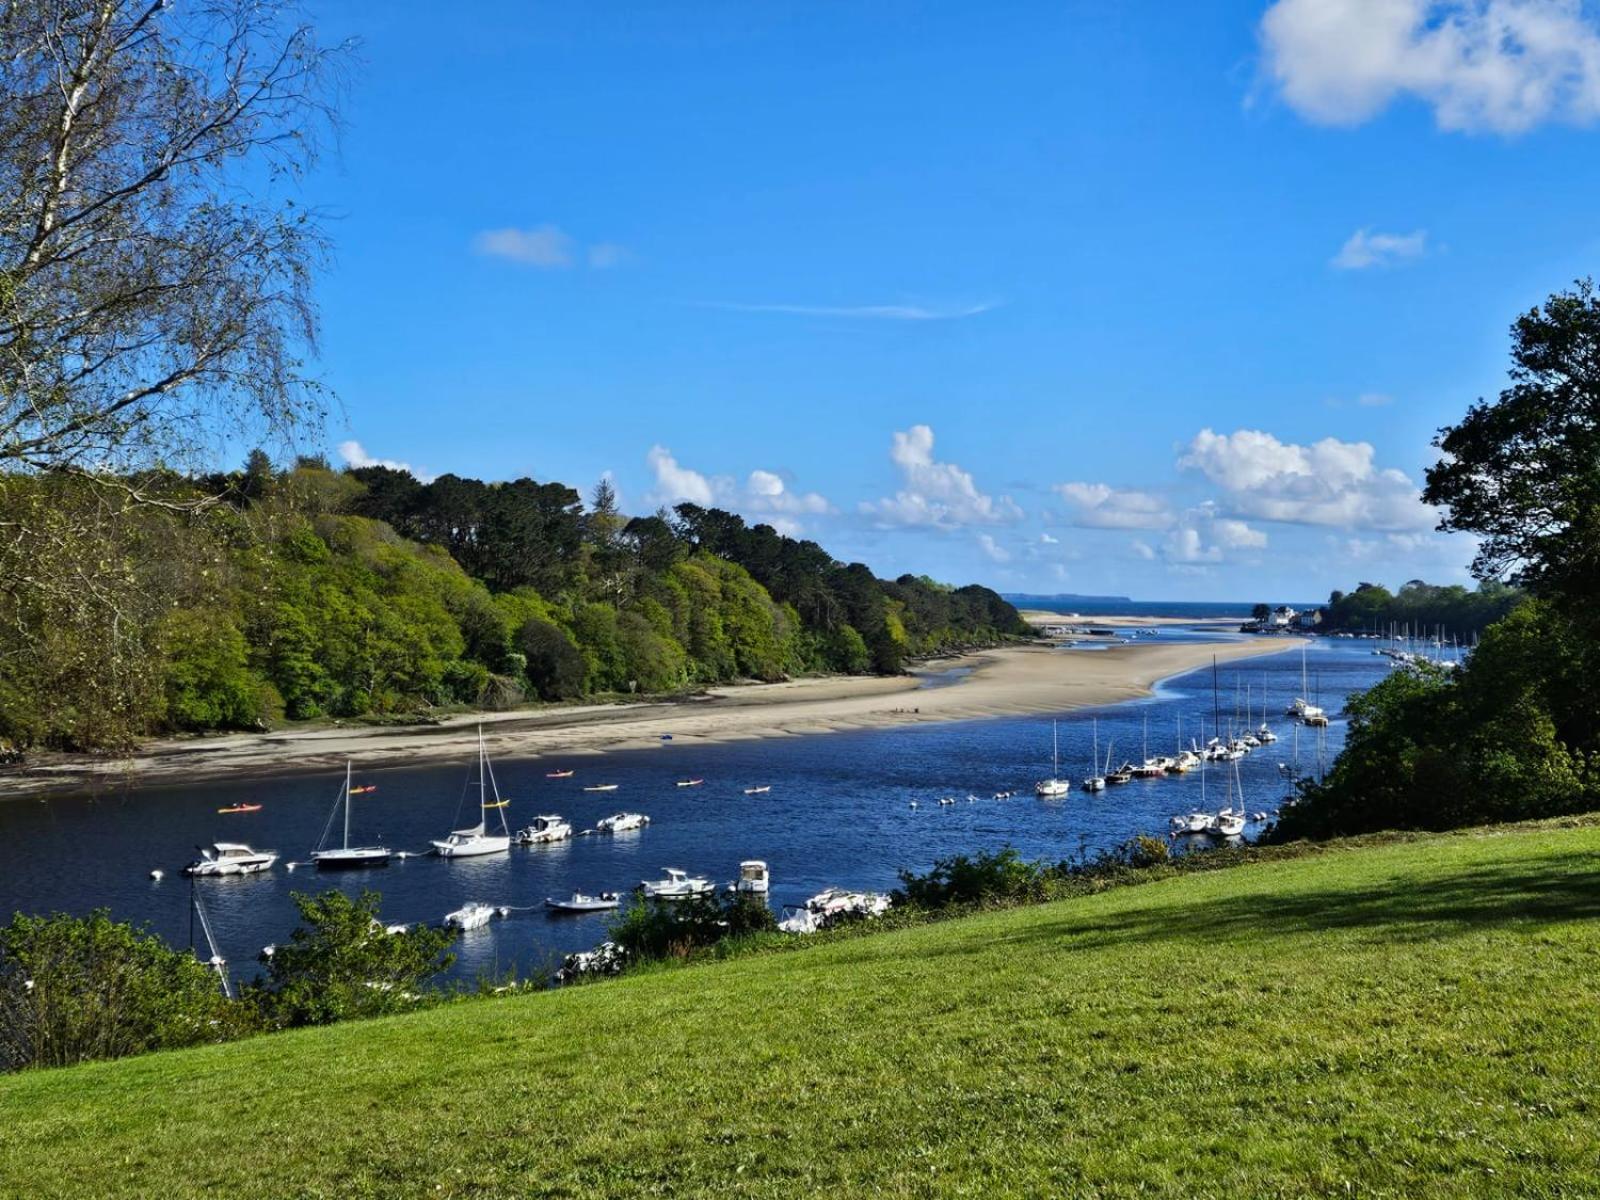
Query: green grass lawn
(1414, 1019)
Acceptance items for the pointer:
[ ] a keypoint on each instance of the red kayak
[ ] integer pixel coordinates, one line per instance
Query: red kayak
(240, 808)
(558, 774)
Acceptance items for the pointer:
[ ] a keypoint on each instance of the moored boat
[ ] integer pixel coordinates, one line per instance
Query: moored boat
(678, 885)
(548, 828)
(470, 916)
(346, 856)
(754, 878)
(580, 902)
(231, 858)
(478, 841)
(621, 822)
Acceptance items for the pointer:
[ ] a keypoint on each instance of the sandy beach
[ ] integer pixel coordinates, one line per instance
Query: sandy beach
(1014, 681)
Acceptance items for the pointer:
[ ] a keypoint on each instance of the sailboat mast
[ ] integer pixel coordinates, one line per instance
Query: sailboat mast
(347, 804)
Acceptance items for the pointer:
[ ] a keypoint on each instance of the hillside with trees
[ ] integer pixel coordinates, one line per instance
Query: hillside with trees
(1515, 732)
(235, 601)
(1428, 609)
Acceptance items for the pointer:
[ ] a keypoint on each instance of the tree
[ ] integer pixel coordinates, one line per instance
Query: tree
(79, 988)
(1261, 612)
(148, 277)
(556, 667)
(342, 963)
(1523, 473)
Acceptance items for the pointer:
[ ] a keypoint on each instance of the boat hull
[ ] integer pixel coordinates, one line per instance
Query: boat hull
(351, 860)
(477, 849)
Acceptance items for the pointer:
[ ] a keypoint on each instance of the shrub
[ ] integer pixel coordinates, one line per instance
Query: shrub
(985, 878)
(342, 963)
(79, 988)
(651, 929)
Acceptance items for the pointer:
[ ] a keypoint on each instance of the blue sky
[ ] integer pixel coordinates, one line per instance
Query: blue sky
(1163, 300)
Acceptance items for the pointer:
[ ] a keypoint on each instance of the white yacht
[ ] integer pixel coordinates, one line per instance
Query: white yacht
(470, 916)
(548, 828)
(1047, 789)
(477, 841)
(621, 822)
(231, 858)
(345, 856)
(1097, 780)
(678, 885)
(754, 878)
(581, 902)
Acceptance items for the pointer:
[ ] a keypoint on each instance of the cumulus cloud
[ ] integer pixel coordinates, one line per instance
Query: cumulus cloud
(1100, 506)
(354, 454)
(1364, 248)
(1503, 66)
(1327, 483)
(1201, 536)
(1142, 550)
(1046, 539)
(765, 493)
(547, 247)
(935, 494)
(676, 483)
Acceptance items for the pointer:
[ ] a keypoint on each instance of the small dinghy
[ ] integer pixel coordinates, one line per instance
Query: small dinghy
(690, 782)
(601, 787)
(469, 916)
(240, 808)
(558, 774)
(579, 902)
(758, 791)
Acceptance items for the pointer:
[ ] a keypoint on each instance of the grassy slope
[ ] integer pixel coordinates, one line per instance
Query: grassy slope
(1415, 1019)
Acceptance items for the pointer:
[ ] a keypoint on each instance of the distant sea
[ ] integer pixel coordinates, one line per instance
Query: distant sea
(1121, 606)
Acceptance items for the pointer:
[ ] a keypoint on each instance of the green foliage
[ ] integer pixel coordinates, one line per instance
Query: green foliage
(209, 683)
(1002, 875)
(1423, 608)
(556, 669)
(342, 964)
(650, 930)
(79, 988)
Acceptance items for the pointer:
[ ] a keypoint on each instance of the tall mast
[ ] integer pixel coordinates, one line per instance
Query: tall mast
(347, 804)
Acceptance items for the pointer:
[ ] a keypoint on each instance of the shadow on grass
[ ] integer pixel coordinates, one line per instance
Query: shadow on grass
(1404, 909)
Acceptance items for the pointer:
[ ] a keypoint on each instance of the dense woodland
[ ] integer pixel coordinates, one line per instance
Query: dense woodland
(1422, 608)
(308, 592)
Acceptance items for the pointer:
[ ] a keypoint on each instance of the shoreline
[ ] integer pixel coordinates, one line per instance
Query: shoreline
(1011, 681)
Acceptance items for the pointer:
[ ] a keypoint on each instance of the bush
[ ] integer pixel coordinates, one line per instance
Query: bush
(984, 878)
(74, 989)
(343, 964)
(652, 929)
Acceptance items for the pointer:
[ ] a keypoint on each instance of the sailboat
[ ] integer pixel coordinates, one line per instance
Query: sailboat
(470, 843)
(1097, 781)
(1055, 785)
(1229, 822)
(1150, 768)
(1302, 709)
(346, 856)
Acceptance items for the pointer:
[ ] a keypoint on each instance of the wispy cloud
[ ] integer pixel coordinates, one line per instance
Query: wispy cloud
(549, 248)
(1364, 248)
(859, 312)
(355, 455)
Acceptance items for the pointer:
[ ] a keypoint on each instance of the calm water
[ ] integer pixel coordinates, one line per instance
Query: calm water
(838, 813)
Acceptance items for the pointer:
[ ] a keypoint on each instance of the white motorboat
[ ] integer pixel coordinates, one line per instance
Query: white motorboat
(754, 878)
(1047, 789)
(828, 907)
(678, 885)
(470, 916)
(478, 841)
(231, 858)
(621, 822)
(580, 902)
(548, 828)
(346, 857)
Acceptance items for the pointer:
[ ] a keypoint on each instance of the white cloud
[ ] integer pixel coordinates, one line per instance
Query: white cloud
(1204, 537)
(1099, 506)
(1498, 65)
(992, 549)
(676, 483)
(1374, 400)
(765, 493)
(546, 247)
(1327, 483)
(1363, 249)
(938, 495)
(862, 312)
(1142, 550)
(1046, 540)
(355, 455)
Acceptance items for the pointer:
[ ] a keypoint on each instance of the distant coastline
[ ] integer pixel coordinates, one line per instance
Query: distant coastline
(1122, 606)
